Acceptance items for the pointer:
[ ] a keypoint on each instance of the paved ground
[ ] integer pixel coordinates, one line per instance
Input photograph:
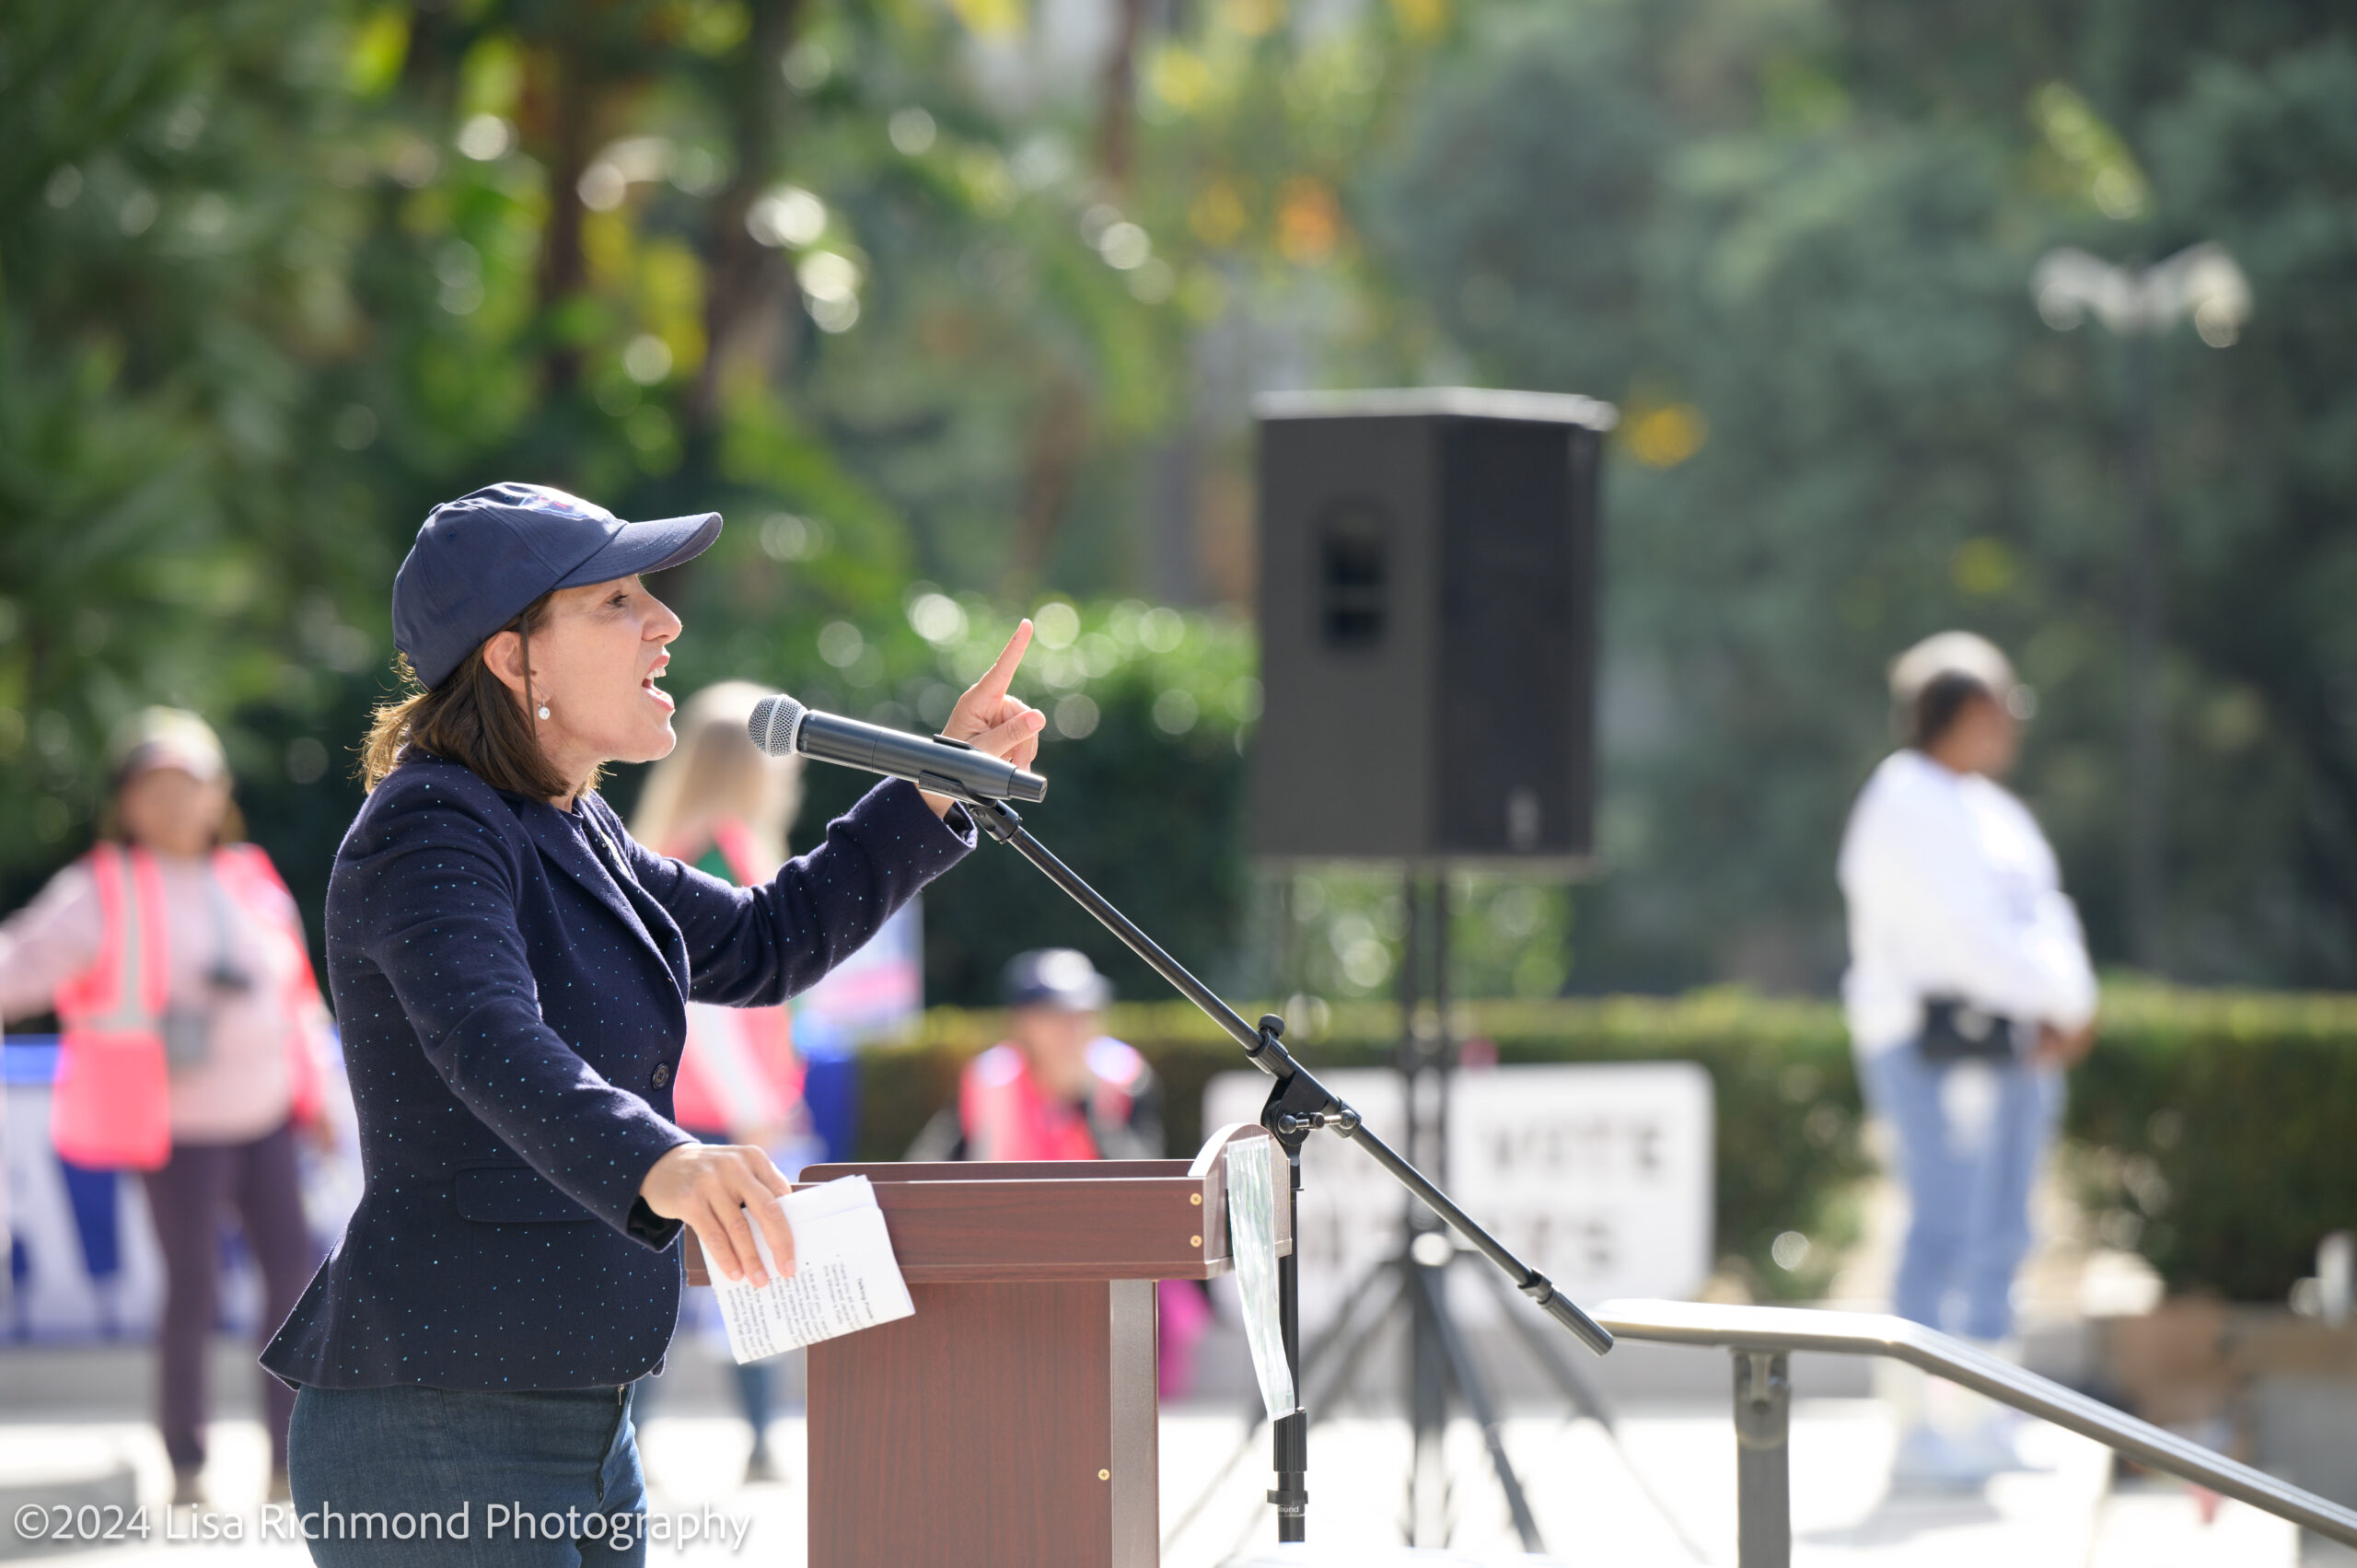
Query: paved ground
(1595, 1501)
(65, 1412)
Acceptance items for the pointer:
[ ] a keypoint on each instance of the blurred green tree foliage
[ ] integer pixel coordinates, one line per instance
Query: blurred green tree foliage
(1795, 244)
(893, 286)
(962, 300)
(1149, 712)
(169, 277)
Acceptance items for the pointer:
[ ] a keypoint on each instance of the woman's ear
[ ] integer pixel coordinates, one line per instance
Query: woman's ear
(502, 655)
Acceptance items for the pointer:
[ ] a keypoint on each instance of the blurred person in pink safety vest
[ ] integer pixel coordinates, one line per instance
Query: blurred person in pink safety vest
(175, 960)
(1059, 1088)
(719, 804)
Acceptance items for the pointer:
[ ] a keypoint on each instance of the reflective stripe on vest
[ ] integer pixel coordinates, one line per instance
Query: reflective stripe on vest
(125, 989)
(134, 940)
(255, 887)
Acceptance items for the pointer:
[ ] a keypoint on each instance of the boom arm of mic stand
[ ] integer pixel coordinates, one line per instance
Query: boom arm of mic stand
(1298, 1103)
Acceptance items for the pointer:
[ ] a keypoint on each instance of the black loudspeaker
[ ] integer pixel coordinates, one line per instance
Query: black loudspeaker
(1427, 626)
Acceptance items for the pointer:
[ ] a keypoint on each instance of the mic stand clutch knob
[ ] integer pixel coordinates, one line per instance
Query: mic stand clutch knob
(1345, 1121)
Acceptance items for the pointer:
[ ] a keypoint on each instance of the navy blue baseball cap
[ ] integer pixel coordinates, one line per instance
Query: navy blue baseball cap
(481, 560)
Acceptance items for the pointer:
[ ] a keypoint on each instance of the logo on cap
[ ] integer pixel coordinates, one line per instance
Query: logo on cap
(541, 498)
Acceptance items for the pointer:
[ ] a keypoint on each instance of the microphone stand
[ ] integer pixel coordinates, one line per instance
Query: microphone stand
(1297, 1105)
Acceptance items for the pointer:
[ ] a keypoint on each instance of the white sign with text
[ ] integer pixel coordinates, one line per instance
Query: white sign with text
(1599, 1175)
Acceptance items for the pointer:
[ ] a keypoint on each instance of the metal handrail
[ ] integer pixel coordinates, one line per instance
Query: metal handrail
(1757, 1331)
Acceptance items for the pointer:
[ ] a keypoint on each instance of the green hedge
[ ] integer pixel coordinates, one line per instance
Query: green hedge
(1788, 1144)
(2210, 1131)
(2216, 1134)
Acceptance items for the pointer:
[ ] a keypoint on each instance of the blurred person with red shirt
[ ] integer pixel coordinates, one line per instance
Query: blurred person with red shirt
(1059, 1088)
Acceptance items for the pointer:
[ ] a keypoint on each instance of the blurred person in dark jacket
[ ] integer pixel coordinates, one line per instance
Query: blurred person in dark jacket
(512, 971)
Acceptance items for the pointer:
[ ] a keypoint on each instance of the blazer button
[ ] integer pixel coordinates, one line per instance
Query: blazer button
(662, 1074)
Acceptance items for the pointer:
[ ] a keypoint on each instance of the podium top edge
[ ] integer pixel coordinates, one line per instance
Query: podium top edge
(1470, 403)
(905, 1171)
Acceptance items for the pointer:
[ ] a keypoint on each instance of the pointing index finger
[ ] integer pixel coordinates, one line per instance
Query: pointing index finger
(1001, 675)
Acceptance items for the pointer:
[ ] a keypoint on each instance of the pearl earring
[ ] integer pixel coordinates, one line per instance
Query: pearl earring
(544, 709)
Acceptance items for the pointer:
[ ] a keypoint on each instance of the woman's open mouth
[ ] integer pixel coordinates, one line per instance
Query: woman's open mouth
(656, 691)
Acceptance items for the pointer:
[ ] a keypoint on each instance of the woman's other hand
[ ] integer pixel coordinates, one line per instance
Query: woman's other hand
(989, 721)
(721, 1192)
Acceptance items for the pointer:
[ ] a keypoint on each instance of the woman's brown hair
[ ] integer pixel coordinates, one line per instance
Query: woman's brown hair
(472, 719)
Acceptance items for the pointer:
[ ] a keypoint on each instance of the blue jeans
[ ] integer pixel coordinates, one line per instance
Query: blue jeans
(1971, 1137)
(413, 1475)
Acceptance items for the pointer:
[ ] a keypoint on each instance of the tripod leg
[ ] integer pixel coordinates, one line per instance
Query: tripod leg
(1337, 1334)
(1355, 1355)
(1476, 1393)
(1549, 1355)
(1427, 1415)
(1589, 1402)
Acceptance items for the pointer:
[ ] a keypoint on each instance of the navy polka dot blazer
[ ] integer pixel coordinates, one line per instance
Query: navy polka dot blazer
(509, 980)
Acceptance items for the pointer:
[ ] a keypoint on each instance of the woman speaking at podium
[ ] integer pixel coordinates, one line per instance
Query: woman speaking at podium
(510, 972)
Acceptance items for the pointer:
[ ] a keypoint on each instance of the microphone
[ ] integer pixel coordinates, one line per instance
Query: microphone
(782, 727)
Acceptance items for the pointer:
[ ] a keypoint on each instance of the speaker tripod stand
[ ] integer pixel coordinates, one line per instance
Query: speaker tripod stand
(1440, 1357)
(1298, 1105)
(1412, 1284)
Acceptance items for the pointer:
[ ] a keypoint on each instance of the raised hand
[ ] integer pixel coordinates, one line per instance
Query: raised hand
(991, 721)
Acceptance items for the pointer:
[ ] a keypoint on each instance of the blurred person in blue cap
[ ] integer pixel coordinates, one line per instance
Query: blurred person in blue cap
(1059, 1088)
(1969, 994)
(512, 971)
(191, 1051)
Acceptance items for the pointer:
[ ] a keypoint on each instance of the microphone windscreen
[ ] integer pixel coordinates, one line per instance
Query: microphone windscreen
(773, 723)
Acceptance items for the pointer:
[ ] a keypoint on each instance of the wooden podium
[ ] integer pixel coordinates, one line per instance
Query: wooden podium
(1010, 1424)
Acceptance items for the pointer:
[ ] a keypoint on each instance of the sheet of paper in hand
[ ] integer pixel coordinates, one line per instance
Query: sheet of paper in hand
(845, 1278)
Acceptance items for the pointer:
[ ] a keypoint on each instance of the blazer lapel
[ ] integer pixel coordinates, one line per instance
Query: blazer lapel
(559, 845)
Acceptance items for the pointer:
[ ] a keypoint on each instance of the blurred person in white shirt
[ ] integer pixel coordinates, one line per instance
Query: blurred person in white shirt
(1969, 994)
